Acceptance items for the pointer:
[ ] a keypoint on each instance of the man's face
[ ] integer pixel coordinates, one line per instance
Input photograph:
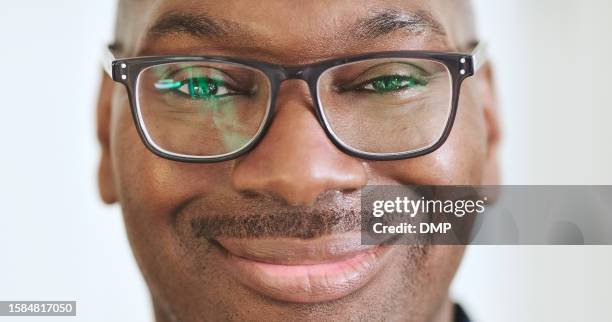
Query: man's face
(282, 251)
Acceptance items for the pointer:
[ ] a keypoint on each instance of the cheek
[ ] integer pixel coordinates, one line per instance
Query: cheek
(460, 161)
(150, 188)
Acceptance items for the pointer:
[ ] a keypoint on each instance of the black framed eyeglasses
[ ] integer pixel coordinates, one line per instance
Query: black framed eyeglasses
(376, 106)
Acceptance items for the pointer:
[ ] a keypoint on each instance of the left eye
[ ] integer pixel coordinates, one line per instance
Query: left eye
(392, 83)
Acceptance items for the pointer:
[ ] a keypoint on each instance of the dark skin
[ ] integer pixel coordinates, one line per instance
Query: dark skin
(294, 167)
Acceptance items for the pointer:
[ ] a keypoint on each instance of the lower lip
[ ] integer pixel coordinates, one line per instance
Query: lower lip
(309, 283)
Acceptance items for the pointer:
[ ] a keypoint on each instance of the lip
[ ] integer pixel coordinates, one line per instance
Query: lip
(303, 271)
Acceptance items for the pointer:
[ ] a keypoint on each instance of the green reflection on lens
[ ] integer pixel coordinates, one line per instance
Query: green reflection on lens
(163, 84)
(204, 87)
(227, 122)
(392, 83)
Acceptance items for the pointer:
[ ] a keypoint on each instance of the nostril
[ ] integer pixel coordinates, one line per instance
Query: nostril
(250, 194)
(349, 190)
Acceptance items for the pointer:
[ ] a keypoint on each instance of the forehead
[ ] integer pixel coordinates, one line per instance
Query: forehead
(312, 29)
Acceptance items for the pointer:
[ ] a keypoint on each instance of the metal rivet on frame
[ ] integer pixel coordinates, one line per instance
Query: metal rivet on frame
(462, 72)
(123, 66)
(462, 60)
(123, 76)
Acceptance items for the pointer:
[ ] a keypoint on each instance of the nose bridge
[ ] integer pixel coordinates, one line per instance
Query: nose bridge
(294, 72)
(295, 160)
(307, 73)
(294, 77)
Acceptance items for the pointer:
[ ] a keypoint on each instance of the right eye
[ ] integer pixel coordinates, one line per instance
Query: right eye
(201, 83)
(201, 88)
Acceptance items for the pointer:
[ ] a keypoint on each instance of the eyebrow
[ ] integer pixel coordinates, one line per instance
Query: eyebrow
(379, 23)
(389, 20)
(196, 24)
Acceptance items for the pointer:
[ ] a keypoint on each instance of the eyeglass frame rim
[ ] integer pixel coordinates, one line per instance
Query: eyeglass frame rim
(127, 72)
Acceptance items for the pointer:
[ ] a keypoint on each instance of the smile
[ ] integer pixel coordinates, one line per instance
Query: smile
(303, 271)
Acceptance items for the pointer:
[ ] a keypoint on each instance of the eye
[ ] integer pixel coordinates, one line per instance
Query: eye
(392, 83)
(385, 78)
(203, 88)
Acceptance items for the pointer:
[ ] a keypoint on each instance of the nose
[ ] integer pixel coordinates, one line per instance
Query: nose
(296, 161)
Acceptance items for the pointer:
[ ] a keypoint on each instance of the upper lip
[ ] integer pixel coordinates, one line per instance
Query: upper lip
(289, 251)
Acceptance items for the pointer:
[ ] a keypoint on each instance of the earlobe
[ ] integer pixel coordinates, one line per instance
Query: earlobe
(486, 87)
(106, 182)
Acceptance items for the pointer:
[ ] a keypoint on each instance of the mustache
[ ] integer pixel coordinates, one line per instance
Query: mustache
(277, 224)
(262, 215)
(267, 216)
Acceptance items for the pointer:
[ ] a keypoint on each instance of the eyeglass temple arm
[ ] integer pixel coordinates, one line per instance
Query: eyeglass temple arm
(107, 60)
(479, 56)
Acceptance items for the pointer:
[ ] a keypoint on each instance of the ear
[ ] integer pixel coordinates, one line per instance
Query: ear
(106, 182)
(486, 90)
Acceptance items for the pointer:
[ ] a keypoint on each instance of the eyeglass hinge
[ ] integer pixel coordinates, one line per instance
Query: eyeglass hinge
(120, 71)
(466, 66)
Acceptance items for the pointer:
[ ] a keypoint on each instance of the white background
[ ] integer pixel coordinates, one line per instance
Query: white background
(58, 242)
